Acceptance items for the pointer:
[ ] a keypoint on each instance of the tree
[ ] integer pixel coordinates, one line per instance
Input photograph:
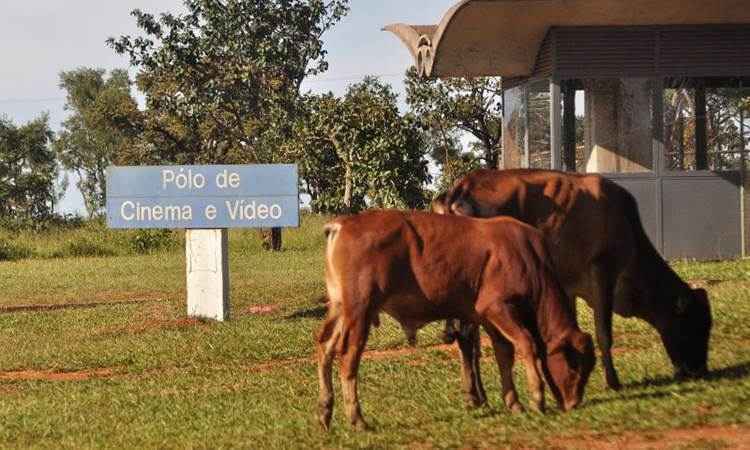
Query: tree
(90, 138)
(449, 108)
(222, 81)
(358, 150)
(28, 171)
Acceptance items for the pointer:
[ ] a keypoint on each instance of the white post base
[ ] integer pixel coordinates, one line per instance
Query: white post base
(207, 262)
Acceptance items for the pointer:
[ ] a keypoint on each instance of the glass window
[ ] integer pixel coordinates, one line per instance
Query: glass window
(726, 110)
(539, 125)
(515, 128)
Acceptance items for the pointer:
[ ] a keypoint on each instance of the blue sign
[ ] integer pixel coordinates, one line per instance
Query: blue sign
(248, 196)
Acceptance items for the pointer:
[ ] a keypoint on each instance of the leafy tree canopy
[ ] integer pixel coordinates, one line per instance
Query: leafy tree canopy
(358, 150)
(222, 80)
(449, 109)
(90, 138)
(28, 171)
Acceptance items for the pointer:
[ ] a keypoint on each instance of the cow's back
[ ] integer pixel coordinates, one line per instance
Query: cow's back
(440, 258)
(580, 215)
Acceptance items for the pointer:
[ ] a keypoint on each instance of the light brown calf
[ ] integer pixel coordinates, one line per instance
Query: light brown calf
(419, 268)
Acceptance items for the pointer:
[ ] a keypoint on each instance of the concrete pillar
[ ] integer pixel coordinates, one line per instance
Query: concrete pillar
(555, 123)
(746, 213)
(207, 262)
(569, 127)
(618, 125)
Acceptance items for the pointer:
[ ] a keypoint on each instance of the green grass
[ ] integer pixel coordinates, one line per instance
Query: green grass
(251, 382)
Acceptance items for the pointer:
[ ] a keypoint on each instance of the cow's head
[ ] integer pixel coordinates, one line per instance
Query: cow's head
(459, 206)
(570, 360)
(686, 334)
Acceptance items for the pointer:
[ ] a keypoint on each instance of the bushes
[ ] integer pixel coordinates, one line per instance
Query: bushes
(12, 251)
(77, 238)
(149, 241)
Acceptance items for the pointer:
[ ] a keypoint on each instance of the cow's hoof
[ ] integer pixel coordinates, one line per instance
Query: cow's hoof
(360, 425)
(537, 408)
(516, 408)
(324, 418)
(614, 384)
(474, 401)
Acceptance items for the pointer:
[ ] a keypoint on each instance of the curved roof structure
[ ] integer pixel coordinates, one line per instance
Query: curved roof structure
(502, 37)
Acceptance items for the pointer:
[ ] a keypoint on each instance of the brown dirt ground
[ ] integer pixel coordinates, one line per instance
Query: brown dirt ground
(52, 375)
(101, 300)
(259, 310)
(714, 437)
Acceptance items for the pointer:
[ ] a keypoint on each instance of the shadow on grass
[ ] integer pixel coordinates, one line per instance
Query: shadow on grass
(317, 312)
(735, 372)
(638, 396)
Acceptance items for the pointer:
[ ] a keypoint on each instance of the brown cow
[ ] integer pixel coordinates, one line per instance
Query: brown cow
(600, 253)
(420, 267)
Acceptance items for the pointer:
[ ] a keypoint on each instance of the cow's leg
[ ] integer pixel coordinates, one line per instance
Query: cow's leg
(354, 339)
(470, 349)
(603, 288)
(450, 331)
(502, 317)
(327, 343)
(504, 355)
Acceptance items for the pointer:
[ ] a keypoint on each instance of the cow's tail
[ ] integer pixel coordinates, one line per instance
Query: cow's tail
(330, 230)
(333, 280)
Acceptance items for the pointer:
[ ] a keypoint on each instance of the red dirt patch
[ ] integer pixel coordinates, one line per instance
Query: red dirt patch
(56, 307)
(51, 375)
(259, 310)
(703, 284)
(729, 437)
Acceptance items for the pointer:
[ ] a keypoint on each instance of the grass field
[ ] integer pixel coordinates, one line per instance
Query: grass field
(118, 365)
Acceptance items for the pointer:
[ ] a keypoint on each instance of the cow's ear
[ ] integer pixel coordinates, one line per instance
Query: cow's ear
(462, 207)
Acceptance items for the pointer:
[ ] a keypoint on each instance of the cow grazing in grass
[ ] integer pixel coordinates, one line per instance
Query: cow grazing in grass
(600, 253)
(419, 268)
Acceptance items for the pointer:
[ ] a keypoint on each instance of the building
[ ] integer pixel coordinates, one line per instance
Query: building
(663, 85)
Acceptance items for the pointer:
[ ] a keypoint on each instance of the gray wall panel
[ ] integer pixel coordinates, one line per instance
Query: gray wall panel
(644, 189)
(702, 217)
(699, 212)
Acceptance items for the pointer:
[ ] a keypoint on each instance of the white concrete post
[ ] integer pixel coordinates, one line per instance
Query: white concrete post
(207, 274)
(555, 123)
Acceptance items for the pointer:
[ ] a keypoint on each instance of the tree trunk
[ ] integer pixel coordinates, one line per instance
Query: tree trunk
(271, 239)
(348, 188)
(276, 239)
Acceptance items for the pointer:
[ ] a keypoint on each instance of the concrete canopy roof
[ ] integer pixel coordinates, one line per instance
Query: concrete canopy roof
(502, 37)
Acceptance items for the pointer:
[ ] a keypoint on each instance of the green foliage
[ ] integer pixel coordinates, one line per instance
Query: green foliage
(11, 250)
(91, 138)
(222, 80)
(455, 168)
(28, 171)
(83, 247)
(447, 110)
(149, 241)
(358, 151)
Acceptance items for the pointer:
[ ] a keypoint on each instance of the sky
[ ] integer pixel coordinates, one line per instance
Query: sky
(41, 38)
